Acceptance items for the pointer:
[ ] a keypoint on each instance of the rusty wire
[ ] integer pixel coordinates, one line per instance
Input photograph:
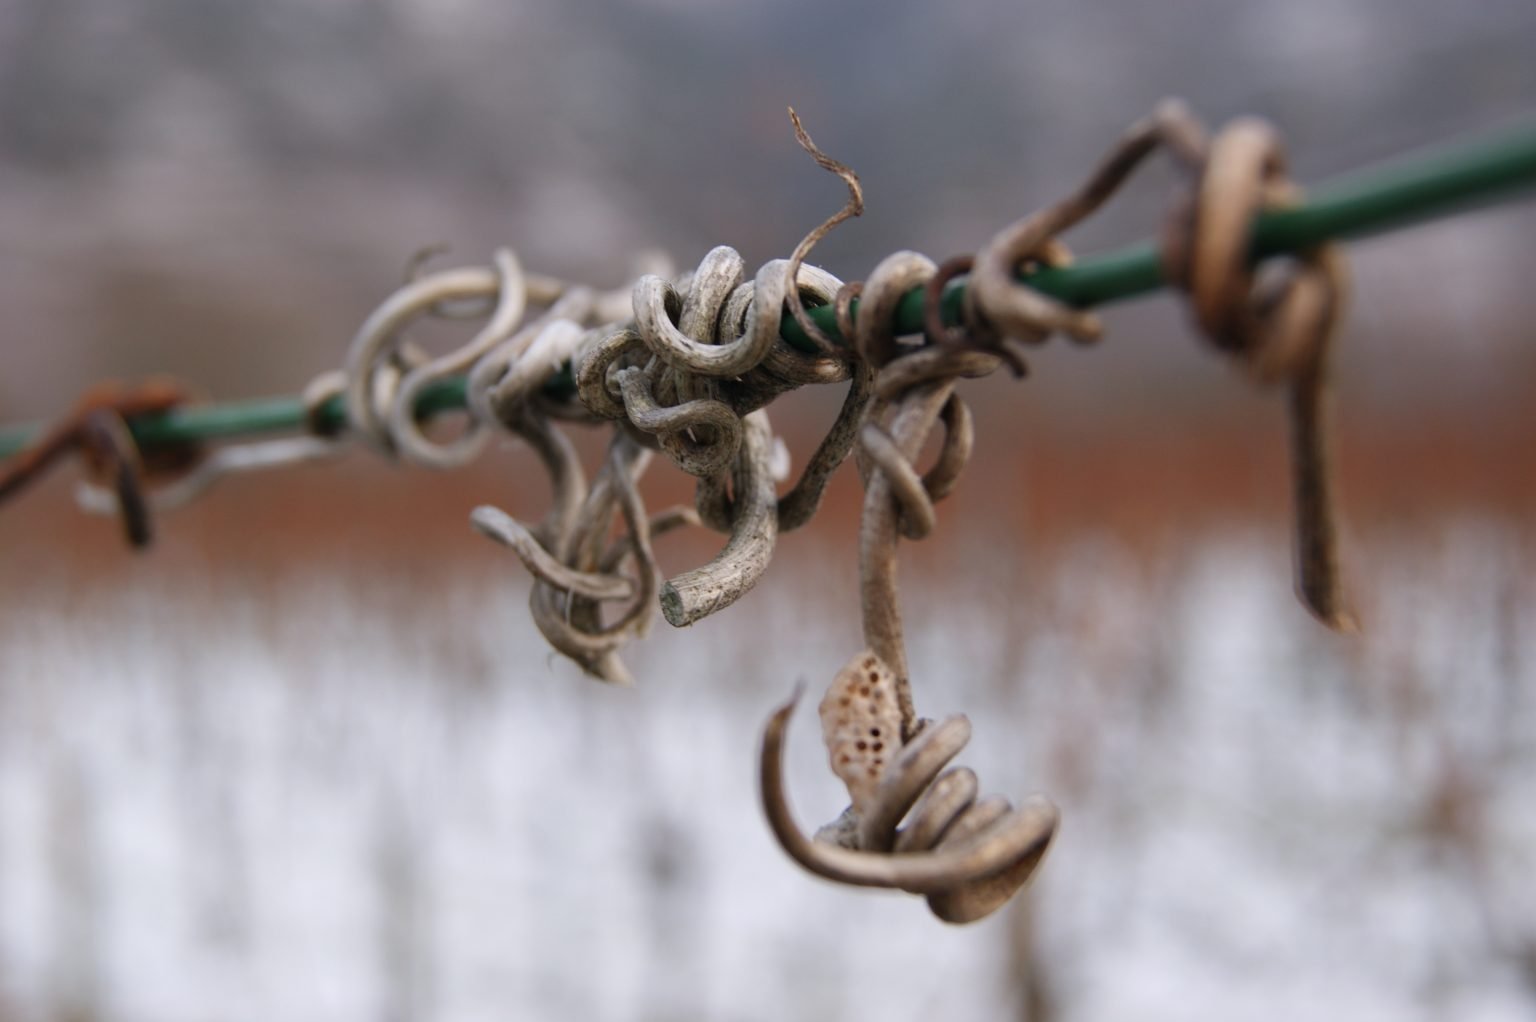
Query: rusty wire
(97, 428)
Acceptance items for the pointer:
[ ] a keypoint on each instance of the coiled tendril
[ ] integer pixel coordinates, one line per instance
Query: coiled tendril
(967, 855)
(1282, 328)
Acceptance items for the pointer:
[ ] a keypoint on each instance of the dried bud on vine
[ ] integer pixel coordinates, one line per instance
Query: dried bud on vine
(861, 724)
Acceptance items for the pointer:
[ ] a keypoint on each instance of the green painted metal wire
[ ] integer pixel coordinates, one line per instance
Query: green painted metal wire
(1408, 191)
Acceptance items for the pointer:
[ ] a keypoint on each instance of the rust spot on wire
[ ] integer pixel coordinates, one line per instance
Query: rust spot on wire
(97, 427)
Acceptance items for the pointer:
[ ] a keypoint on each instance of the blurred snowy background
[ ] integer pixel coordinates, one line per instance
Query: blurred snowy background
(307, 759)
(323, 798)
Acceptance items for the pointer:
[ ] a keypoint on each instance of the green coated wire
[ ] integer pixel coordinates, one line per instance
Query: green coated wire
(1408, 191)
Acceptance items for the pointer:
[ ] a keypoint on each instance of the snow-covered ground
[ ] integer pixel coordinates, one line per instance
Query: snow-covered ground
(333, 798)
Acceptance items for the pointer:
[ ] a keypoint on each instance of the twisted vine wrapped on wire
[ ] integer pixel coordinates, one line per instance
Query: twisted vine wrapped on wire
(686, 366)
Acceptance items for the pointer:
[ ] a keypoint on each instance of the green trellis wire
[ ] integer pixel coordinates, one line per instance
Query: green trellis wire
(1417, 188)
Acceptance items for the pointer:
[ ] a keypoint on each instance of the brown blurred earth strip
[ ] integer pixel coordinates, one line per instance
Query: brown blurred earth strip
(1144, 484)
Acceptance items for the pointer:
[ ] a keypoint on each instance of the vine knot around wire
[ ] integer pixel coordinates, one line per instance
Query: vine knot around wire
(686, 365)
